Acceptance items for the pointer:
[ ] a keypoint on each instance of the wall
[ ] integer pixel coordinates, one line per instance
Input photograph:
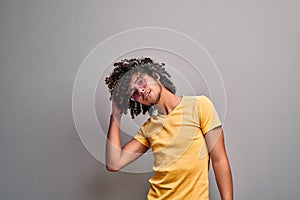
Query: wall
(255, 45)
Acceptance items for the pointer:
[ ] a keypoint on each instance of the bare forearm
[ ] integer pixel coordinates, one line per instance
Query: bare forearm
(117, 156)
(224, 178)
(113, 145)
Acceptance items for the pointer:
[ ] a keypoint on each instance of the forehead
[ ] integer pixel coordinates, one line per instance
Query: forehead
(134, 78)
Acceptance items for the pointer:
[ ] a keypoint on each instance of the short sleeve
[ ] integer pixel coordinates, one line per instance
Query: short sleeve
(140, 136)
(208, 115)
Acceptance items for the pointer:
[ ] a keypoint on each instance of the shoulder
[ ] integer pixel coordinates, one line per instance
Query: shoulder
(146, 123)
(202, 102)
(202, 99)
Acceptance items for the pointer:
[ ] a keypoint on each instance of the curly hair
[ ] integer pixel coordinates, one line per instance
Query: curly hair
(119, 82)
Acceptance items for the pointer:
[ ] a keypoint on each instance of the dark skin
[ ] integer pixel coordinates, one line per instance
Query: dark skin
(147, 93)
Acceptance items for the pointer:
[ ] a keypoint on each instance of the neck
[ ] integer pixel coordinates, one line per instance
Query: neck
(167, 102)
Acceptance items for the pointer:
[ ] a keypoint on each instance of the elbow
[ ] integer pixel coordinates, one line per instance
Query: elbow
(113, 164)
(111, 169)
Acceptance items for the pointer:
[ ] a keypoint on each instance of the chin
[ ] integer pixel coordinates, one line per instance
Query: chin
(157, 98)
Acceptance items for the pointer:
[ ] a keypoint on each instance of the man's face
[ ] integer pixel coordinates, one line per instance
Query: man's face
(145, 89)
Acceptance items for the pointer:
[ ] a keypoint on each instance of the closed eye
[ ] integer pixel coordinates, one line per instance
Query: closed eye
(140, 82)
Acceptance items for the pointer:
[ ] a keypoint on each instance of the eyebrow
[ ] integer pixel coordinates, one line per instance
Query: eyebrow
(138, 78)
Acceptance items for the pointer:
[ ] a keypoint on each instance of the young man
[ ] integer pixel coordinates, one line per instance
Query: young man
(184, 135)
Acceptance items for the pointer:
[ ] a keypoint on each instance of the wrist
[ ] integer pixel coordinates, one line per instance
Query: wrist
(116, 116)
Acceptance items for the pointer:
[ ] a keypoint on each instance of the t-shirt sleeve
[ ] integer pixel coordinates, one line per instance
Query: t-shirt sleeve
(140, 136)
(208, 115)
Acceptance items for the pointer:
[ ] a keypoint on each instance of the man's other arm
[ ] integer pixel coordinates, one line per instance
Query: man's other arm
(220, 163)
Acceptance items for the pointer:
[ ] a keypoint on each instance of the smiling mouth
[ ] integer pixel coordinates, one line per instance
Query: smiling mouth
(147, 95)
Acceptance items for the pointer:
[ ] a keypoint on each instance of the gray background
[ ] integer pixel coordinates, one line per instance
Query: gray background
(42, 44)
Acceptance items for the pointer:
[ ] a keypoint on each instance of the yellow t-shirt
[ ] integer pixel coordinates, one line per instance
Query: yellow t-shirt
(179, 149)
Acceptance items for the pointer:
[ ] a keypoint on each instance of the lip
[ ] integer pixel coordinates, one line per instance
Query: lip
(147, 95)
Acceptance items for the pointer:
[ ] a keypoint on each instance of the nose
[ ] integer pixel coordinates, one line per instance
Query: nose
(141, 90)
